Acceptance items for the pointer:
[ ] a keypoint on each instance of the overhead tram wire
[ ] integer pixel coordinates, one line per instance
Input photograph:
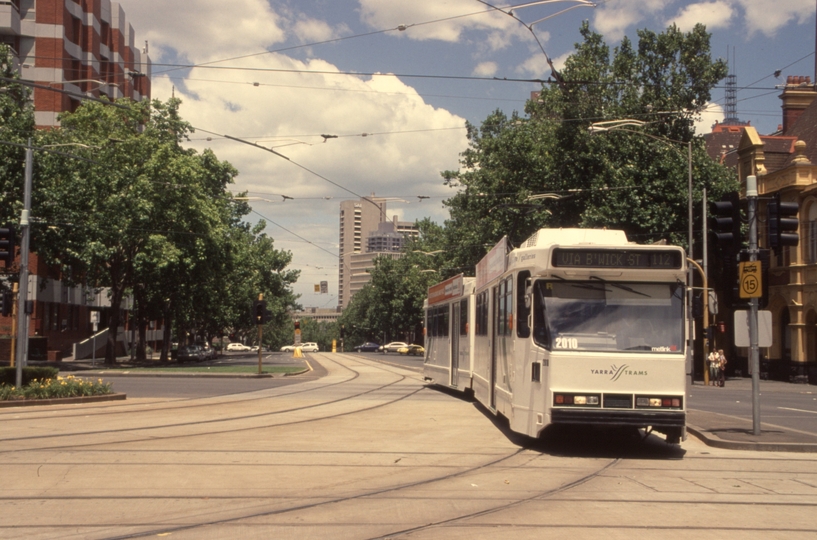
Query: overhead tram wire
(399, 28)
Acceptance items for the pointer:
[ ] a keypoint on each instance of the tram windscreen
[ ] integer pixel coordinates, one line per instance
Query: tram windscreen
(600, 315)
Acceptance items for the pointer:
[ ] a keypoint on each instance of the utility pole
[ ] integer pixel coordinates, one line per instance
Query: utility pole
(22, 296)
(754, 352)
(260, 331)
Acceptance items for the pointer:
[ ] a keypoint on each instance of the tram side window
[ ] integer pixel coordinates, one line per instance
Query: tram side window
(505, 307)
(482, 314)
(522, 310)
(464, 317)
(444, 320)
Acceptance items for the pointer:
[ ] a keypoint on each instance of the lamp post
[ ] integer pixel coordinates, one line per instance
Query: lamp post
(623, 125)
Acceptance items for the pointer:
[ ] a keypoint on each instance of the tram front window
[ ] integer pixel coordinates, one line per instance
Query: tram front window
(600, 315)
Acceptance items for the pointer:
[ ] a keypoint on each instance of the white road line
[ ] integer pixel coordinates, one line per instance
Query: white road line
(798, 410)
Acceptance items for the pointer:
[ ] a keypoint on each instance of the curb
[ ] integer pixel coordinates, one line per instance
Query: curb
(716, 442)
(199, 374)
(61, 401)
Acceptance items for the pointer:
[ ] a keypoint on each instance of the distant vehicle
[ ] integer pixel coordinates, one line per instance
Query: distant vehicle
(254, 348)
(237, 347)
(392, 347)
(305, 347)
(412, 350)
(209, 352)
(190, 353)
(368, 347)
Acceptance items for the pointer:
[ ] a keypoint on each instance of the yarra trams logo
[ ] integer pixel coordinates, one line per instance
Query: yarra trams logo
(616, 373)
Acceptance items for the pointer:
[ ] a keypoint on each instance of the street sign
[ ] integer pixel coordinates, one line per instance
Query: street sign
(751, 279)
(764, 329)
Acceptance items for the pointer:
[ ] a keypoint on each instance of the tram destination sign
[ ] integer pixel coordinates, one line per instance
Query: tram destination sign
(617, 258)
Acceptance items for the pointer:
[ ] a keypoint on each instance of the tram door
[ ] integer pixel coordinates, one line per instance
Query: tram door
(492, 346)
(455, 342)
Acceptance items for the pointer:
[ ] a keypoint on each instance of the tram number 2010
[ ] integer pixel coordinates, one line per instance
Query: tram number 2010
(567, 343)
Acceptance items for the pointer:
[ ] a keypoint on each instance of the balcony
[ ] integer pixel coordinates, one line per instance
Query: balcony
(9, 18)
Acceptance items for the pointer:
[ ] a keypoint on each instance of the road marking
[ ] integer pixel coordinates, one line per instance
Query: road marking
(798, 410)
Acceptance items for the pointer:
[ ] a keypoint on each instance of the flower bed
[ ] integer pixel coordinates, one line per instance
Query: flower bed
(59, 387)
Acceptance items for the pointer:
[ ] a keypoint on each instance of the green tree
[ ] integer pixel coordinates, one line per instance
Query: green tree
(138, 207)
(546, 169)
(16, 127)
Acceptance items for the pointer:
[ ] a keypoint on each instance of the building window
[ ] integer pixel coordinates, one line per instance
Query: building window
(811, 233)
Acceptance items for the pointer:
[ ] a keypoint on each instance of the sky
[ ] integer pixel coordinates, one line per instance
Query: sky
(393, 84)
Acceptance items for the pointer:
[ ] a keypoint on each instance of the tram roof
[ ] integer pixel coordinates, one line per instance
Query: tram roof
(548, 237)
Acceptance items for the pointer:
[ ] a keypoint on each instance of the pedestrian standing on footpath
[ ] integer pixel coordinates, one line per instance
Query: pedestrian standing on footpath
(721, 368)
(714, 362)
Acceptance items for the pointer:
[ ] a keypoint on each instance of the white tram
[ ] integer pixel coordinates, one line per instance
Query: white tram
(576, 326)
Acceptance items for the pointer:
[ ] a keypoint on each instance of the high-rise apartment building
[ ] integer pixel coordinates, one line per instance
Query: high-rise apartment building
(83, 47)
(357, 220)
(365, 234)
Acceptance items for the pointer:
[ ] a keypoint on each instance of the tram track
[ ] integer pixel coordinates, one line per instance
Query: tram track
(376, 458)
(225, 420)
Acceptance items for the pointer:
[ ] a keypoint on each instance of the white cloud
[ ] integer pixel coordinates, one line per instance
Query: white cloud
(612, 19)
(712, 113)
(432, 19)
(713, 15)
(767, 18)
(207, 31)
(312, 30)
(486, 69)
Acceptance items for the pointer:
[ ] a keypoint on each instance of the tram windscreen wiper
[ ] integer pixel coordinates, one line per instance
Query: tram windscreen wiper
(620, 286)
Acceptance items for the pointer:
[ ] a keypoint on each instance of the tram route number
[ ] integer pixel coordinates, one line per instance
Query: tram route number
(751, 279)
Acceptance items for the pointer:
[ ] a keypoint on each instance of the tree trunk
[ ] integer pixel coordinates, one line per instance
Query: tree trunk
(166, 336)
(113, 327)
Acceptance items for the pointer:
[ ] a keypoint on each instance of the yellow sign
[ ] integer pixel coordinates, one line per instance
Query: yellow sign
(751, 279)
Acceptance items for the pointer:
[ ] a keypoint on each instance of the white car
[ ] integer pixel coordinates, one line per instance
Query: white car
(392, 347)
(237, 347)
(305, 347)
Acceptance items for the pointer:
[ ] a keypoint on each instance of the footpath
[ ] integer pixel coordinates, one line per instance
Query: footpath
(736, 431)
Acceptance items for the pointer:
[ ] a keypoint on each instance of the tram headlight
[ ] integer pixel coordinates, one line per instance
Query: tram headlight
(579, 400)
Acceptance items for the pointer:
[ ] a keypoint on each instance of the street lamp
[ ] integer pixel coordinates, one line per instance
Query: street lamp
(622, 125)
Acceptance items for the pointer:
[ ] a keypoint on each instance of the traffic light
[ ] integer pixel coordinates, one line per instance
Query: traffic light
(259, 311)
(342, 331)
(297, 325)
(6, 300)
(724, 221)
(7, 245)
(782, 221)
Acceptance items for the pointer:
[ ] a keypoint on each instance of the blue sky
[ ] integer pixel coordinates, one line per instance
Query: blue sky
(396, 133)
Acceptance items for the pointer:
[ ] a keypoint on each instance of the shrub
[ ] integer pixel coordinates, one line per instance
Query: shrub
(8, 375)
(57, 387)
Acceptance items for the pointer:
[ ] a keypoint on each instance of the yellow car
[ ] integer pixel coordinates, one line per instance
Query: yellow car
(414, 350)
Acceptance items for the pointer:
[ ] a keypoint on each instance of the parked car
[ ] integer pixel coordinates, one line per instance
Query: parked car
(412, 350)
(288, 348)
(392, 347)
(368, 347)
(190, 353)
(237, 347)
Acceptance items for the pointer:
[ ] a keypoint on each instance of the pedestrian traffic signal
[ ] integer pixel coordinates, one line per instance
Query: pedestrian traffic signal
(6, 300)
(783, 224)
(297, 325)
(259, 312)
(7, 240)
